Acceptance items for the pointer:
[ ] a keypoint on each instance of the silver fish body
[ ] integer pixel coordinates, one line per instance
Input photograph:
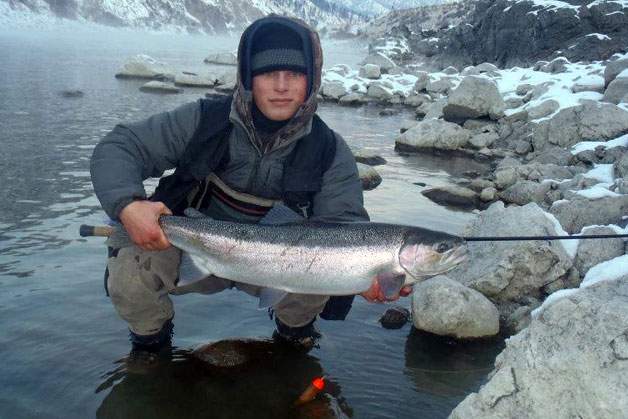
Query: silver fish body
(312, 257)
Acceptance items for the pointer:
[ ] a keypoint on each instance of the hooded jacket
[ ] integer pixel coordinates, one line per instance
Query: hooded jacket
(133, 152)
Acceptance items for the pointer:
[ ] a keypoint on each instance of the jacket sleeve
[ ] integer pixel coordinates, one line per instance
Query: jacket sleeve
(340, 198)
(131, 153)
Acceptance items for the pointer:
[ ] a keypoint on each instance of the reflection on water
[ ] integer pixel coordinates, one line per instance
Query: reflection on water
(60, 336)
(266, 386)
(446, 368)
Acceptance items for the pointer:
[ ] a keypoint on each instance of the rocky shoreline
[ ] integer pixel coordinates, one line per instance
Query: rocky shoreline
(556, 136)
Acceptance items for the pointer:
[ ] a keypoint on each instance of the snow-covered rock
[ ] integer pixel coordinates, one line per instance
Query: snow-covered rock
(370, 71)
(379, 59)
(590, 121)
(333, 90)
(593, 252)
(224, 58)
(144, 67)
(571, 361)
(195, 80)
(448, 308)
(160, 87)
(613, 69)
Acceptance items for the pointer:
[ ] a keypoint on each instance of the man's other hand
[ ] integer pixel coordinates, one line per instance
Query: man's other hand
(141, 221)
(375, 294)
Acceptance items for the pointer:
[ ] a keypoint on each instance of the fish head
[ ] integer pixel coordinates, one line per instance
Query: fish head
(425, 253)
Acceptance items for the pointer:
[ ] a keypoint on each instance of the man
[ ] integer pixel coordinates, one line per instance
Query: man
(235, 158)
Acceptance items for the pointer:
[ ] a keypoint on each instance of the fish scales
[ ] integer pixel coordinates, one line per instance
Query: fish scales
(330, 259)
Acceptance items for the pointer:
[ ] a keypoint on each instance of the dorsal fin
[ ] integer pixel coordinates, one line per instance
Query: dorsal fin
(281, 214)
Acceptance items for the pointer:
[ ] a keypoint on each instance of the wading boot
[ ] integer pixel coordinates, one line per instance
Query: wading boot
(148, 350)
(302, 338)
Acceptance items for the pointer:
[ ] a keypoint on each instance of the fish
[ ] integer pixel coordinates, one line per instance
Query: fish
(285, 254)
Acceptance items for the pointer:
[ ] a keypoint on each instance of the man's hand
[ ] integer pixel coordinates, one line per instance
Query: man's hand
(140, 219)
(375, 294)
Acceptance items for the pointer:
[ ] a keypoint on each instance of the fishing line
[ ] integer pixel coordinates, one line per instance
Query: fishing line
(522, 238)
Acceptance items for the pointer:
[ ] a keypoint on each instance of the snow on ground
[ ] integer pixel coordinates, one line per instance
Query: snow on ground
(559, 85)
(610, 270)
(592, 145)
(601, 172)
(571, 245)
(549, 5)
(402, 84)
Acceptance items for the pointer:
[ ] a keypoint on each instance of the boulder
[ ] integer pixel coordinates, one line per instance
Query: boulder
(370, 71)
(621, 166)
(483, 140)
(417, 99)
(442, 85)
(488, 194)
(334, 89)
(614, 155)
(431, 134)
(160, 87)
(616, 89)
(571, 361)
(448, 308)
(558, 156)
(144, 67)
(368, 157)
(580, 212)
(380, 92)
(525, 191)
(455, 196)
(369, 177)
(353, 99)
(434, 110)
(475, 97)
(558, 65)
(613, 69)
(511, 270)
(594, 251)
(194, 80)
(379, 59)
(546, 108)
(421, 82)
(590, 121)
(451, 70)
(224, 58)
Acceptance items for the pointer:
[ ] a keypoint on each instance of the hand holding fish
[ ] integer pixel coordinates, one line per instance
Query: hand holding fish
(375, 295)
(141, 221)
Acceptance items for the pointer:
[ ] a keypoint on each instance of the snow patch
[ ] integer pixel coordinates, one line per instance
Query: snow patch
(592, 145)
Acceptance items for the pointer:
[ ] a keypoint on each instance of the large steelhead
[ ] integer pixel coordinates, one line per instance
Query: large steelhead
(311, 257)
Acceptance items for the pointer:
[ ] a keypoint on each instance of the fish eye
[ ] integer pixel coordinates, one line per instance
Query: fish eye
(443, 247)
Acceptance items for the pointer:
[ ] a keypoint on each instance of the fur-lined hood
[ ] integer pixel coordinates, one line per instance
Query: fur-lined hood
(314, 63)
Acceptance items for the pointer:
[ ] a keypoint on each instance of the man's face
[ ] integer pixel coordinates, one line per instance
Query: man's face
(278, 94)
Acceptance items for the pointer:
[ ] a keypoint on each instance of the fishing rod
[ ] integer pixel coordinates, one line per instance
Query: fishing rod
(104, 231)
(543, 238)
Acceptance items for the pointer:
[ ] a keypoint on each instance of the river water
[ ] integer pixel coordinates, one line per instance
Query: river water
(62, 345)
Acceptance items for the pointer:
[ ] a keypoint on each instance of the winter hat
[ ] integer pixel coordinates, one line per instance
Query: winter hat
(276, 47)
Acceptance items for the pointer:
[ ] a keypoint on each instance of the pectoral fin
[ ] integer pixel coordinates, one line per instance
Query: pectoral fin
(390, 283)
(270, 297)
(190, 270)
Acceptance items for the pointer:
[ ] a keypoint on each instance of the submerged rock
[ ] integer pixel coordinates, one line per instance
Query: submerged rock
(448, 308)
(571, 361)
(72, 93)
(457, 196)
(369, 177)
(395, 318)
